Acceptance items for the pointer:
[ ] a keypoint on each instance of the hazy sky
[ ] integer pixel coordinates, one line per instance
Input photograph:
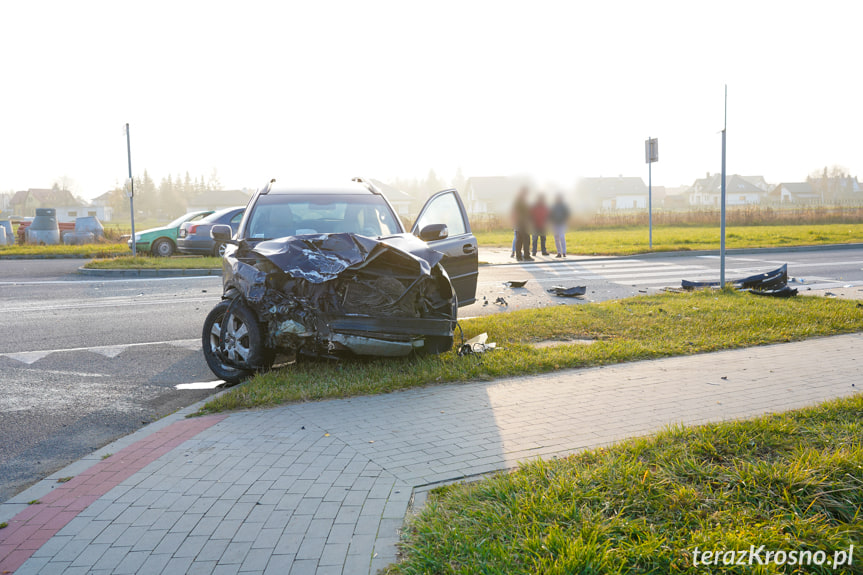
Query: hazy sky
(328, 90)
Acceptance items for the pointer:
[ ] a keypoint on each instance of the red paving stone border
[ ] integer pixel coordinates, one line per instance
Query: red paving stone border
(34, 526)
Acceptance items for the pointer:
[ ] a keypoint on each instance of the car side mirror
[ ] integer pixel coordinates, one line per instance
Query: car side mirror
(223, 233)
(434, 232)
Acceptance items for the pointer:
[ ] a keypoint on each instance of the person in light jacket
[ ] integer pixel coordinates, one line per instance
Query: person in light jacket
(558, 215)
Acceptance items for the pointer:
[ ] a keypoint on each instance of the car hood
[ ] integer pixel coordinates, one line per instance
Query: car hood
(318, 258)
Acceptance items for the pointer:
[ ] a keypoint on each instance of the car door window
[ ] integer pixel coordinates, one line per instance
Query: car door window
(443, 209)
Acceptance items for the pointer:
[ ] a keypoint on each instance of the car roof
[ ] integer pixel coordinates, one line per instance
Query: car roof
(341, 188)
(219, 213)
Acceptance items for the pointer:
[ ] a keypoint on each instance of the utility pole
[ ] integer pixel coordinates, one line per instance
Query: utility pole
(131, 191)
(722, 225)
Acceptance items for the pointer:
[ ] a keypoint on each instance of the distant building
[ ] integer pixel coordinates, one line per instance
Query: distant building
(739, 191)
(71, 213)
(841, 188)
(25, 203)
(620, 193)
(5, 201)
(404, 204)
(795, 193)
(758, 181)
(493, 195)
(676, 198)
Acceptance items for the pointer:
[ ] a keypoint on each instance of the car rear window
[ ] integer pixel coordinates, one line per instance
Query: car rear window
(276, 216)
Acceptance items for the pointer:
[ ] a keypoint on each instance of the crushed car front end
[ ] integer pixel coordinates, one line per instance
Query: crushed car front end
(328, 295)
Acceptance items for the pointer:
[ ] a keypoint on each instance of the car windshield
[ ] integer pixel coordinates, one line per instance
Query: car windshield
(281, 215)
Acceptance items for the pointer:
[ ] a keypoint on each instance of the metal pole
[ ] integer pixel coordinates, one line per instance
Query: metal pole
(650, 201)
(131, 190)
(722, 225)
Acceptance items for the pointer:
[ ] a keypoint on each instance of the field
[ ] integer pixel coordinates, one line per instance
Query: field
(634, 239)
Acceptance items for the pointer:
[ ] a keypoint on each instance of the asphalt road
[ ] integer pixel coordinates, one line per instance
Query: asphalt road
(85, 360)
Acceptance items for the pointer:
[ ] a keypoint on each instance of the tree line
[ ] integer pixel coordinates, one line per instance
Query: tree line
(167, 199)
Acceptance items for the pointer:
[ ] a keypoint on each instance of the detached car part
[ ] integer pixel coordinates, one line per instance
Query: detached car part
(773, 283)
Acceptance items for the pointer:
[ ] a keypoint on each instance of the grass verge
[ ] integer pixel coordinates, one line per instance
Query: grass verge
(624, 330)
(105, 250)
(154, 263)
(789, 482)
(633, 240)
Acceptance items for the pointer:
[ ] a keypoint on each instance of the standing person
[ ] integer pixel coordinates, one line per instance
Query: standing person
(559, 216)
(521, 220)
(539, 219)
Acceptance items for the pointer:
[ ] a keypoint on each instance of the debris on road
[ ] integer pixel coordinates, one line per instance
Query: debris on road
(501, 301)
(476, 345)
(773, 283)
(561, 291)
(515, 284)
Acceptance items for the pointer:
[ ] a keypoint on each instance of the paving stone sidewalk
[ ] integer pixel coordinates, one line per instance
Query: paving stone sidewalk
(324, 487)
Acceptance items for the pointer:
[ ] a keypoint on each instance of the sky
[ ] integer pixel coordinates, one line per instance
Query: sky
(323, 91)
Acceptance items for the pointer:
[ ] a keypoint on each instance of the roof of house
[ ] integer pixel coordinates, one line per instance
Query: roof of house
(611, 187)
(734, 184)
(796, 189)
(757, 181)
(44, 196)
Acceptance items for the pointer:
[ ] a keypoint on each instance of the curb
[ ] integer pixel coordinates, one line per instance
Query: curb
(151, 273)
(46, 257)
(17, 503)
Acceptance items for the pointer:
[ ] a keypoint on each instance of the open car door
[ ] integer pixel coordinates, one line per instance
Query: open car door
(443, 223)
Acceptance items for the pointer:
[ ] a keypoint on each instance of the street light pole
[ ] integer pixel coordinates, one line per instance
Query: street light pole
(131, 190)
(651, 154)
(722, 225)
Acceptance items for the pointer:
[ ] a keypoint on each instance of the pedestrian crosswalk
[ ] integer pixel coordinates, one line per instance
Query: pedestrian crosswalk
(646, 273)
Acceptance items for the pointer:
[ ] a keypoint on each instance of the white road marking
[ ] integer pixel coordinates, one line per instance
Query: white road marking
(200, 385)
(110, 351)
(111, 302)
(72, 373)
(106, 280)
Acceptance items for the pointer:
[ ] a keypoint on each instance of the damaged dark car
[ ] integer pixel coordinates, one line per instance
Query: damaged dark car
(331, 272)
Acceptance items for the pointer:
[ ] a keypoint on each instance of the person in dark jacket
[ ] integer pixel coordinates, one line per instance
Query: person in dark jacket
(539, 219)
(559, 217)
(521, 222)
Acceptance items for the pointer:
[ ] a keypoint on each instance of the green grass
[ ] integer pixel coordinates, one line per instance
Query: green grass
(624, 330)
(150, 262)
(85, 251)
(633, 240)
(790, 482)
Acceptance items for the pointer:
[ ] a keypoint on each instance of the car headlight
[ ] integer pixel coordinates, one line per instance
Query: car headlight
(137, 237)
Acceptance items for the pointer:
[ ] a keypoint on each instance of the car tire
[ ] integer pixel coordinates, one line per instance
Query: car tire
(242, 343)
(163, 248)
(219, 250)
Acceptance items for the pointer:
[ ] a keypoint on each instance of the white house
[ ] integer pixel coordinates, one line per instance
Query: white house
(739, 191)
(620, 193)
(795, 193)
(70, 213)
